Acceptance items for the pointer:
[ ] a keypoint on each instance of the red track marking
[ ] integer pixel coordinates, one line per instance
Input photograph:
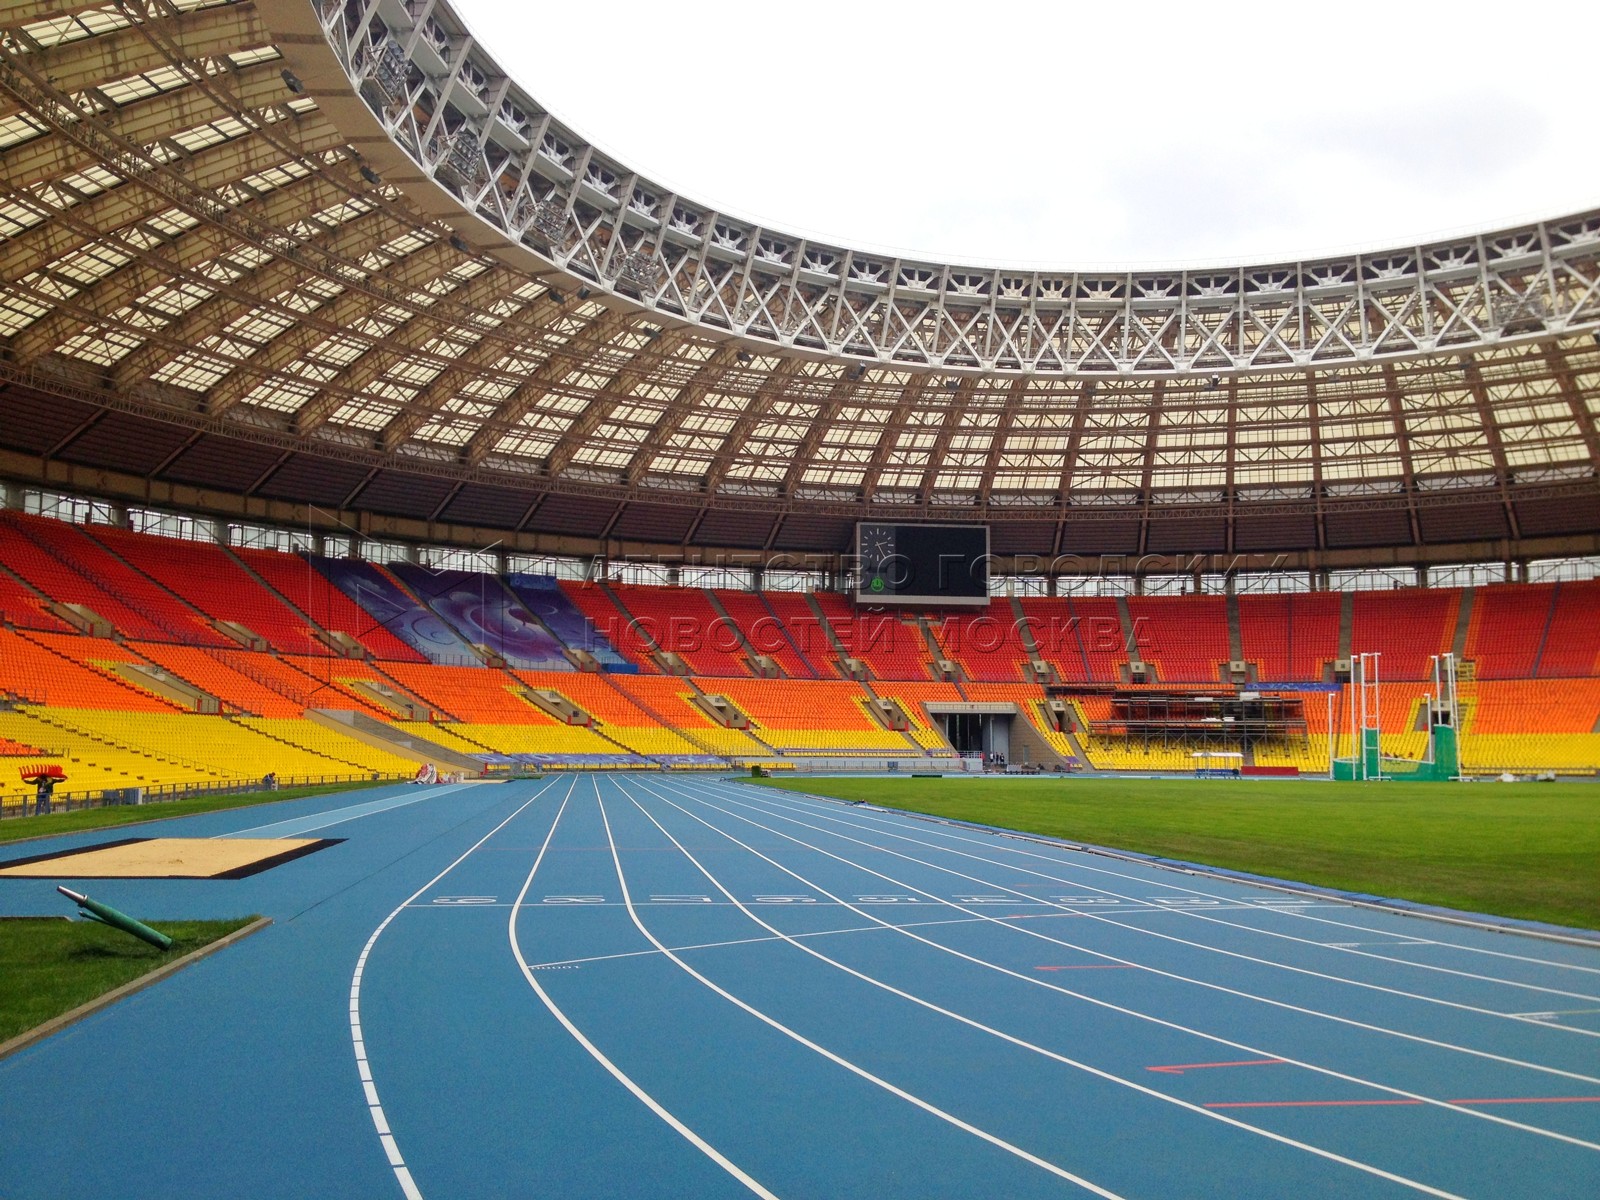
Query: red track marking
(1368, 1103)
(1180, 1068)
(1092, 967)
(1309, 1103)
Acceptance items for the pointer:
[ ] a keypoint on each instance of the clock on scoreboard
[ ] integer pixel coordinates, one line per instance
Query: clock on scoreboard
(928, 564)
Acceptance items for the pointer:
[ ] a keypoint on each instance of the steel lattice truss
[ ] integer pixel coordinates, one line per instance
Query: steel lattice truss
(189, 229)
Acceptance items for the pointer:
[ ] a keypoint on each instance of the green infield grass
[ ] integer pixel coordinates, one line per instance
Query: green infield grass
(15, 828)
(1515, 850)
(48, 967)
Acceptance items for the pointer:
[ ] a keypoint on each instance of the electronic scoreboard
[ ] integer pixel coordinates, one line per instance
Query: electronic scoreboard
(935, 564)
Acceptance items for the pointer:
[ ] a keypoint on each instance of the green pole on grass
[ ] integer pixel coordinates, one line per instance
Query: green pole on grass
(107, 915)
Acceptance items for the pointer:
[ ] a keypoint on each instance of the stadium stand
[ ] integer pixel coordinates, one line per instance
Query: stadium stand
(21, 605)
(891, 643)
(1506, 629)
(613, 625)
(1530, 698)
(391, 606)
(1099, 629)
(911, 696)
(476, 694)
(211, 673)
(670, 700)
(544, 598)
(806, 630)
(484, 614)
(69, 566)
(1265, 635)
(987, 645)
(1572, 641)
(683, 622)
(299, 582)
(1056, 635)
(337, 683)
(205, 576)
(48, 576)
(656, 731)
(765, 632)
(1406, 627)
(809, 717)
(1185, 638)
(59, 670)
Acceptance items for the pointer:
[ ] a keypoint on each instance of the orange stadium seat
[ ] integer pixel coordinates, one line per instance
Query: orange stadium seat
(67, 565)
(1406, 627)
(297, 581)
(1185, 638)
(1572, 642)
(683, 621)
(987, 644)
(889, 641)
(611, 622)
(767, 633)
(207, 578)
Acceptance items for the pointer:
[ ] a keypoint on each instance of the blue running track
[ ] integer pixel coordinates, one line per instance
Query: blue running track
(666, 988)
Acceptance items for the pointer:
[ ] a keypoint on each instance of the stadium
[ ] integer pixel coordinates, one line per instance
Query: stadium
(609, 698)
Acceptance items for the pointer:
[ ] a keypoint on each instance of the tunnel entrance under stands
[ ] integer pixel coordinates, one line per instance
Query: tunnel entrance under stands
(978, 733)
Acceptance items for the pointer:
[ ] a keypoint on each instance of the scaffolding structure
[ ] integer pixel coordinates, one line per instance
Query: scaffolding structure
(1194, 720)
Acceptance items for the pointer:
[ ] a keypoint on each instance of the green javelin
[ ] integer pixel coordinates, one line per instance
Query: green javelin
(107, 915)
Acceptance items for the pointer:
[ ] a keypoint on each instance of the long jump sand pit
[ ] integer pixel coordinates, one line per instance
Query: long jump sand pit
(166, 858)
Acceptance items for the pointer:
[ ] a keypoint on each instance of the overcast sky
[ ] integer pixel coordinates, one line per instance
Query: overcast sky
(1066, 134)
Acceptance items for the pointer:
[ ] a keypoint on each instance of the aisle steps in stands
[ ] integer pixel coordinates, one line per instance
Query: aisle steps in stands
(383, 736)
(1458, 644)
(342, 645)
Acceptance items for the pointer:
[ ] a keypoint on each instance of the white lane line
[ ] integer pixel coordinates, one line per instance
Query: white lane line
(350, 812)
(999, 838)
(750, 941)
(1344, 947)
(1103, 917)
(616, 1072)
(1342, 1020)
(1006, 924)
(380, 1122)
(1021, 1043)
(853, 1068)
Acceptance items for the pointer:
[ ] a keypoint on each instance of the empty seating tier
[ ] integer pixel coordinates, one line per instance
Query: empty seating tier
(1406, 627)
(683, 621)
(61, 670)
(987, 645)
(890, 642)
(611, 623)
(67, 565)
(1185, 638)
(118, 710)
(811, 716)
(1572, 643)
(475, 694)
(766, 633)
(204, 576)
(297, 580)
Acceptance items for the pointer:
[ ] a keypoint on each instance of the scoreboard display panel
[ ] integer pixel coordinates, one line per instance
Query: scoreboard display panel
(922, 564)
